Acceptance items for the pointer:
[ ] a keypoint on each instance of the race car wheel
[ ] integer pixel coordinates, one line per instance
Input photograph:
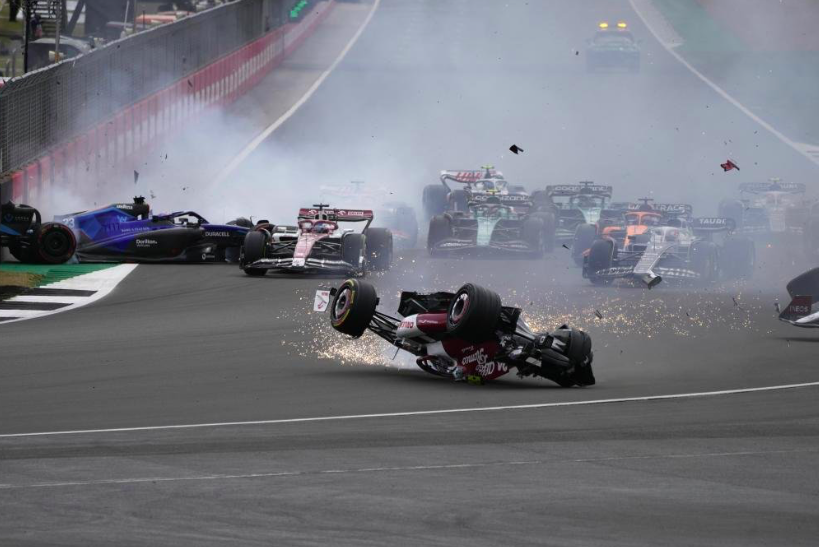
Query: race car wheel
(473, 313)
(55, 243)
(584, 236)
(532, 233)
(440, 229)
(379, 249)
(253, 249)
(601, 257)
(549, 224)
(806, 284)
(458, 201)
(704, 261)
(435, 199)
(738, 258)
(733, 209)
(352, 250)
(353, 307)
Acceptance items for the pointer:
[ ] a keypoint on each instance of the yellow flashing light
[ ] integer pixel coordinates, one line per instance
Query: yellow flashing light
(621, 24)
(603, 25)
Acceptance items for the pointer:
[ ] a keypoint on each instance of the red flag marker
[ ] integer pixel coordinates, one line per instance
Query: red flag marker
(728, 165)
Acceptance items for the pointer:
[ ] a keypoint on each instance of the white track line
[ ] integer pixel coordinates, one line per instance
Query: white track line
(438, 467)
(416, 412)
(722, 93)
(254, 144)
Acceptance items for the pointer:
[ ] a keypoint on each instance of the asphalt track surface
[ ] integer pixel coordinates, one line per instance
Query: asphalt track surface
(177, 344)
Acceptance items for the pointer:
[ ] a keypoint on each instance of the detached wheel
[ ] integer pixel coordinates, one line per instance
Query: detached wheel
(473, 313)
(55, 243)
(601, 257)
(584, 237)
(353, 307)
(440, 228)
(253, 249)
(704, 261)
(379, 248)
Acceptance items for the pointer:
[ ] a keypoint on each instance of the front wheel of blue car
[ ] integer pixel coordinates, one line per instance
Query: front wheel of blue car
(253, 249)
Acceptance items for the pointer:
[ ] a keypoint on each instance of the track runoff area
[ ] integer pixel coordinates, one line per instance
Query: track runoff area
(220, 407)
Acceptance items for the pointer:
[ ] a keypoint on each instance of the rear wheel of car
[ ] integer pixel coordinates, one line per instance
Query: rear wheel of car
(704, 261)
(353, 307)
(584, 237)
(458, 201)
(549, 225)
(253, 249)
(738, 258)
(435, 199)
(601, 257)
(532, 233)
(473, 313)
(440, 228)
(352, 250)
(379, 249)
(733, 209)
(55, 243)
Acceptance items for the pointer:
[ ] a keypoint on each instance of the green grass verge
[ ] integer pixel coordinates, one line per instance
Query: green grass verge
(37, 275)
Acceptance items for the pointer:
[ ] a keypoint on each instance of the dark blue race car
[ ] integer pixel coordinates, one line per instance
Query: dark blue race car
(129, 232)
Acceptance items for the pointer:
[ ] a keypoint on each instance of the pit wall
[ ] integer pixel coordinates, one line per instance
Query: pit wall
(108, 151)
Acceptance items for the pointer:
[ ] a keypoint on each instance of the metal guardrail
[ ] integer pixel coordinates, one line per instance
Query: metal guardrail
(49, 106)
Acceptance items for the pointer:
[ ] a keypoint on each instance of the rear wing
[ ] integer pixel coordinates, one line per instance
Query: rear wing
(713, 224)
(510, 200)
(674, 210)
(340, 215)
(799, 307)
(762, 187)
(579, 189)
(470, 176)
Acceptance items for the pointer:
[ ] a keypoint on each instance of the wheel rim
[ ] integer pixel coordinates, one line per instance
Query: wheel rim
(56, 244)
(459, 308)
(342, 304)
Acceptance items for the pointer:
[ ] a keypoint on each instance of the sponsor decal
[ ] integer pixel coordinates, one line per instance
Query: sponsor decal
(147, 242)
(406, 324)
(322, 301)
(125, 206)
(8, 217)
(217, 234)
(713, 221)
(479, 357)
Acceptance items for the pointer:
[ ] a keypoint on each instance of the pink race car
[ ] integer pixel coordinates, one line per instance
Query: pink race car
(465, 336)
(318, 244)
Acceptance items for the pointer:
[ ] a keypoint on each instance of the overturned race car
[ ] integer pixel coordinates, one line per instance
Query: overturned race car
(318, 244)
(30, 240)
(465, 336)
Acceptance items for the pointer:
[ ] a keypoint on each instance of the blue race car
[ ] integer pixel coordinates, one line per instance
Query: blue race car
(30, 240)
(129, 232)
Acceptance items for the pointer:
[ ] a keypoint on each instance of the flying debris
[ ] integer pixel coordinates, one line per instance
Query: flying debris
(598, 314)
(728, 165)
(565, 247)
(136, 176)
(804, 291)
(515, 149)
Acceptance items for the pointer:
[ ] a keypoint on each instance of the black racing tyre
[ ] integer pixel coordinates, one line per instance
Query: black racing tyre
(703, 256)
(353, 249)
(378, 243)
(584, 236)
(353, 307)
(531, 231)
(806, 284)
(435, 199)
(733, 209)
(458, 201)
(440, 228)
(473, 313)
(254, 248)
(601, 257)
(738, 258)
(54, 243)
(549, 226)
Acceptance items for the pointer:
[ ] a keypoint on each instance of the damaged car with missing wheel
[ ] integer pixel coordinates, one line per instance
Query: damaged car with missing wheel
(464, 336)
(318, 244)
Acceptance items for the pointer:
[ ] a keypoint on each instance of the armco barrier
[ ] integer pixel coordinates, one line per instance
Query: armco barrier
(108, 150)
